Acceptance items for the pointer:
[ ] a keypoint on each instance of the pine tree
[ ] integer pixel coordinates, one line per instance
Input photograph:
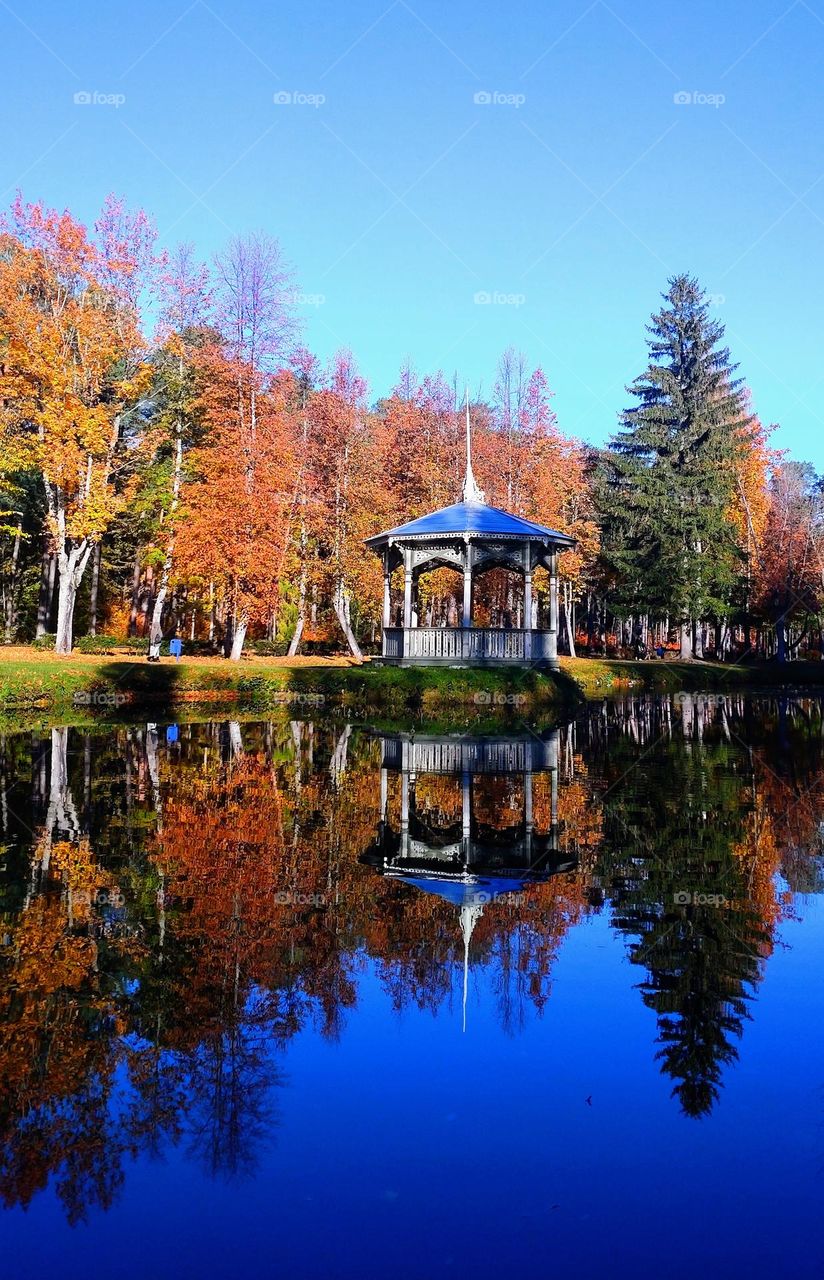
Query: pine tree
(668, 478)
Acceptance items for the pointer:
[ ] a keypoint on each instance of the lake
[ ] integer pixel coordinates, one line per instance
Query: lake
(306, 999)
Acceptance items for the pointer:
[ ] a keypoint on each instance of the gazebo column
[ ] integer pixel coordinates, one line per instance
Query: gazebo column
(466, 617)
(407, 589)
(527, 603)
(403, 850)
(552, 635)
(387, 598)
(466, 813)
(529, 821)
(384, 793)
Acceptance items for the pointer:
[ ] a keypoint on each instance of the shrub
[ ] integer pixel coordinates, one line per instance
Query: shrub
(267, 648)
(97, 644)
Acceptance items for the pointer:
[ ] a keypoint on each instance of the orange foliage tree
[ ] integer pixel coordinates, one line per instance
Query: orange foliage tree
(236, 511)
(70, 368)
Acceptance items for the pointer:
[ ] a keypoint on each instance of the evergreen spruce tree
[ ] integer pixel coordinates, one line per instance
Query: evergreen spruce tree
(667, 479)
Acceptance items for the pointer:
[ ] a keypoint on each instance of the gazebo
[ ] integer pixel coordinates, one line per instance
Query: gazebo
(469, 536)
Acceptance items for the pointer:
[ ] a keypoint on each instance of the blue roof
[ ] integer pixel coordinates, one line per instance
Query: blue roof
(465, 891)
(472, 517)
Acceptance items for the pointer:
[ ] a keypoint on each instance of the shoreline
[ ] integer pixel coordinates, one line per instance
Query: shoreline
(34, 683)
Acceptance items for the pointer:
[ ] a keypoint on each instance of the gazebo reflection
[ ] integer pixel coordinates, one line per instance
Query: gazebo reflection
(483, 843)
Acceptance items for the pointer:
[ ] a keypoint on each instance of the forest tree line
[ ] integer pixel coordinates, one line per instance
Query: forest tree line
(173, 461)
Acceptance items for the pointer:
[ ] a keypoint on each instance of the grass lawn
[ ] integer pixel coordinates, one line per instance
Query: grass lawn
(93, 684)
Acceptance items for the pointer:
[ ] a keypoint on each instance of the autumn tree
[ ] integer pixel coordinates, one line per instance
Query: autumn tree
(239, 509)
(71, 371)
(349, 495)
(235, 519)
(791, 565)
(183, 332)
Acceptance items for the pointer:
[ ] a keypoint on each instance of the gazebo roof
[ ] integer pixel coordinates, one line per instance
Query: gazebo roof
(471, 518)
(463, 890)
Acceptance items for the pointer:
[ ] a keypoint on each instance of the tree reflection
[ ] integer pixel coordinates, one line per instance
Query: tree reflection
(174, 913)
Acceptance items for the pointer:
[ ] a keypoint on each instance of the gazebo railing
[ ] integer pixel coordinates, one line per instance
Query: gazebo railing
(466, 644)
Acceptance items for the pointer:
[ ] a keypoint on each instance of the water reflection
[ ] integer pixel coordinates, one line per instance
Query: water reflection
(178, 906)
(467, 831)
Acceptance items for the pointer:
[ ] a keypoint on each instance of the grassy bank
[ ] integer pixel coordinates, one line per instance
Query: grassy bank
(32, 681)
(91, 686)
(598, 678)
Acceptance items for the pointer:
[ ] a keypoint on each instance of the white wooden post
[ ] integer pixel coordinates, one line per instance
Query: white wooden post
(387, 599)
(466, 806)
(552, 637)
(466, 620)
(529, 822)
(407, 589)
(527, 603)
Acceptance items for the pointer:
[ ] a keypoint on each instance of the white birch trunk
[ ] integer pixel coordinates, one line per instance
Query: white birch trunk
(239, 639)
(340, 602)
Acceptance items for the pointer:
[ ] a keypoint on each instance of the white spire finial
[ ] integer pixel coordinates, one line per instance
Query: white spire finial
(471, 912)
(471, 492)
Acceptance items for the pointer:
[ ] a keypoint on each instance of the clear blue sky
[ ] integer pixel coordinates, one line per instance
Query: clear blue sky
(400, 198)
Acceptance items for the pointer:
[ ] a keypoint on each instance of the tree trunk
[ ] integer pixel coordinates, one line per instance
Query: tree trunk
(62, 815)
(698, 632)
(95, 587)
(781, 640)
(147, 597)
(340, 602)
(294, 643)
(133, 612)
(156, 625)
(11, 598)
(569, 618)
(71, 565)
(686, 641)
(239, 638)
(48, 571)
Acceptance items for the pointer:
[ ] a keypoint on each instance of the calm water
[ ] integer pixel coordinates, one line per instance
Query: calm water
(296, 999)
